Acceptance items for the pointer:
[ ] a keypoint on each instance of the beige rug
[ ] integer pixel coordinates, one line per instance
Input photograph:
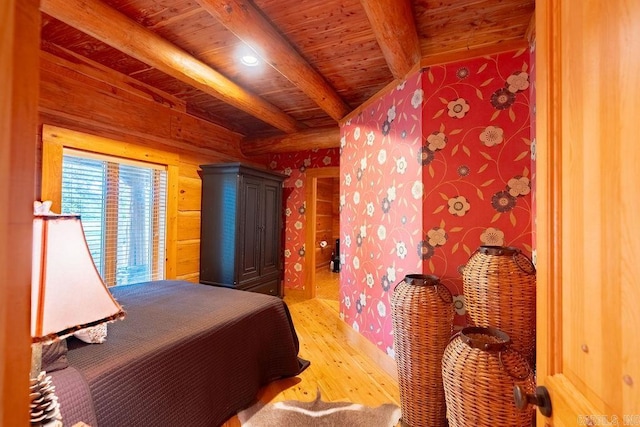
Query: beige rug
(319, 414)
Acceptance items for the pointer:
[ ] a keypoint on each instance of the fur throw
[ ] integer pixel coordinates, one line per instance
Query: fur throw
(319, 414)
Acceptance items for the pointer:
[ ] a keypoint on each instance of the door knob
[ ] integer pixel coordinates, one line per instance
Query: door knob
(540, 399)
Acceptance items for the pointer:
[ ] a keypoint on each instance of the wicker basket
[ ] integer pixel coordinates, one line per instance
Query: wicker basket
(422, 310)
(500, 292)
(479, 371)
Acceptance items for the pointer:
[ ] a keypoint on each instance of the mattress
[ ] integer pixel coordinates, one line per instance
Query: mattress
(186, 354)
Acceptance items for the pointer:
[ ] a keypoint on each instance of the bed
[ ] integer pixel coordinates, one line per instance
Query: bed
(186, 354)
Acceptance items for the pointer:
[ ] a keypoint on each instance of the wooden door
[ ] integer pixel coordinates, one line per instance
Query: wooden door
(588, 218)
(250, 213)
(271, 228)
(19, 57)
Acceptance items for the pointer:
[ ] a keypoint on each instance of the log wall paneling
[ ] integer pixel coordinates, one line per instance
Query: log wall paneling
(71, 99)
(61, 59)
(189, 255)
(324, 222)
(189, 194)
(117, 30)
(73, 95)
(299, 141)
(335, 212)
(188, 225)
(314, 175)
(88, 98)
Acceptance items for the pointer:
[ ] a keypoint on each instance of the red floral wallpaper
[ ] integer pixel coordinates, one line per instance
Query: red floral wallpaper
(532, 113)
(294, 166)
(436, 167)
(381, 217)
(476, 163)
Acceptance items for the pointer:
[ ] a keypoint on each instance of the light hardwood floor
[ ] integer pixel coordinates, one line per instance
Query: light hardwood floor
(338, 370)
(327, 284)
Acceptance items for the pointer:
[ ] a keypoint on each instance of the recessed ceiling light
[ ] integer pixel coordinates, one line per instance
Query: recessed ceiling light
(249, 60)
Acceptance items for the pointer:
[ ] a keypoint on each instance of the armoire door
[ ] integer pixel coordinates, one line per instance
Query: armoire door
(271, 229)
(250, 224)
(588, 212)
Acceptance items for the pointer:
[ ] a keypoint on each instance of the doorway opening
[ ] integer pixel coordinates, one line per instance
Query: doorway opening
(327, 278)
(322, 229)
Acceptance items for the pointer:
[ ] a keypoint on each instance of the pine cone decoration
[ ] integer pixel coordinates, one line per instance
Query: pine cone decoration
(44, 406)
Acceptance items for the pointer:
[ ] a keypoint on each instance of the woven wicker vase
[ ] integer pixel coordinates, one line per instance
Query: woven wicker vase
(500, 292)
(479, 371)
(422, 310)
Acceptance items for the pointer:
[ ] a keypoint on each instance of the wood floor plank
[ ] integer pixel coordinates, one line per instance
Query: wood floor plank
(338, 370)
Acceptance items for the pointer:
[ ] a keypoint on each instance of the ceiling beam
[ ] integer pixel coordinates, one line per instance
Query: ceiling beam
(117, 30)
(300, 141)
(395, 29)
(249, 25)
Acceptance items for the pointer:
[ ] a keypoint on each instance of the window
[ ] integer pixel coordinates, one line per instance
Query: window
(122, 204)
(58, 142)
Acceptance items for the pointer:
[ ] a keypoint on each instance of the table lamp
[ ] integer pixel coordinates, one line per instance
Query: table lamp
(67, 294)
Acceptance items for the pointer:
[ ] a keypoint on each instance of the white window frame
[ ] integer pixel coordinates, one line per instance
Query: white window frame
(56, 139)
(112, 255)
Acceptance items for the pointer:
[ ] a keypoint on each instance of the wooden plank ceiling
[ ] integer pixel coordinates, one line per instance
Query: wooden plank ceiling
(319, 59)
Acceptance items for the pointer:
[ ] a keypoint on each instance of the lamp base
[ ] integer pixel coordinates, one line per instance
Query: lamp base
(44, 407)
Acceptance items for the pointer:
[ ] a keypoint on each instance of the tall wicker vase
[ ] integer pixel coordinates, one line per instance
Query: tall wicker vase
(422, 311)
(479, 372)
(500, 292)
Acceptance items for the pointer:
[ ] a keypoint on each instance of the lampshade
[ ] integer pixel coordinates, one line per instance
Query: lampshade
(67, 292)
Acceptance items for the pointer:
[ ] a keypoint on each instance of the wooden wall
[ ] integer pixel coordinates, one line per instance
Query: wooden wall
(327, 219)
(19, 41)
(335, 210)
(84, 96)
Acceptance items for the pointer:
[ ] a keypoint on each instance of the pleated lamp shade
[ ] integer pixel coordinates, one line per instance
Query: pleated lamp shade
(68, 293)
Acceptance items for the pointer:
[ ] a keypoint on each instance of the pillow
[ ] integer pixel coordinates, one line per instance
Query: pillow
(54, 356)
(93, 335)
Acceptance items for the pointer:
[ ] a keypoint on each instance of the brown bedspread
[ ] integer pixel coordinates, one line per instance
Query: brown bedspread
(186, 354)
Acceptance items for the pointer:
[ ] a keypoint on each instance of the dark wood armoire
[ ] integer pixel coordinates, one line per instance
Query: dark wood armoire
(240, 231)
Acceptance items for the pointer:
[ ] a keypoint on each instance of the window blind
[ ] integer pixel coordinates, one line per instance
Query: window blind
(123, 208)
